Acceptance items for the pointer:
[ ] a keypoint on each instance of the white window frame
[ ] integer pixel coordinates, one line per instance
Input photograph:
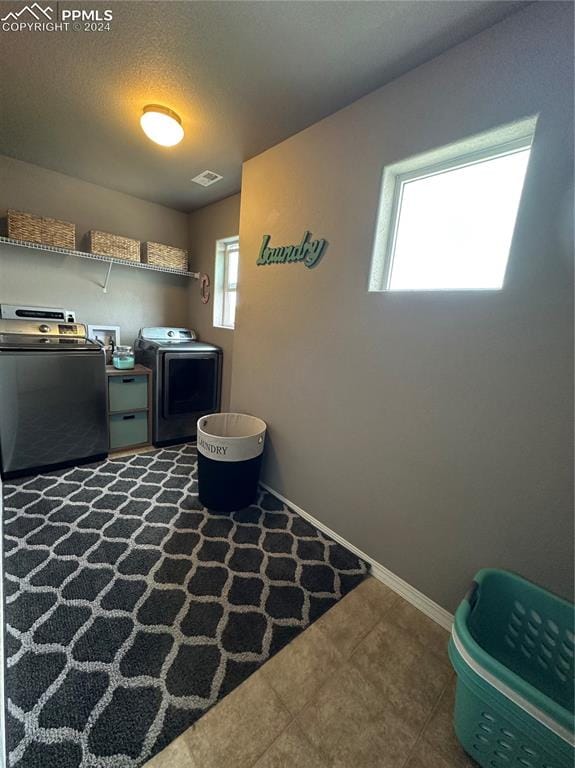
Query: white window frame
(221, 283)
(487, 146)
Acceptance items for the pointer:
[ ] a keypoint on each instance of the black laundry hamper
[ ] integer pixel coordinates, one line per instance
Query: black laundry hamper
(230, 448)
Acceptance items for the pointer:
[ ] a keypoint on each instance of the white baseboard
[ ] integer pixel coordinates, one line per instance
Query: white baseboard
(409, 593)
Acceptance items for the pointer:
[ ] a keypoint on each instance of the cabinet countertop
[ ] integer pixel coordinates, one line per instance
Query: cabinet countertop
(135, 371)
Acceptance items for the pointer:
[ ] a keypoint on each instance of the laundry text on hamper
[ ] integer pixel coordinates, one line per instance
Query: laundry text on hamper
(217, 449)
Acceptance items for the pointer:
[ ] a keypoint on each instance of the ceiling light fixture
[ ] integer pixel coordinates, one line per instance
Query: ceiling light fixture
(162, 125)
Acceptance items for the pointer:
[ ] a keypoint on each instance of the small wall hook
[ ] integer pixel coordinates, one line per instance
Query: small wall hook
(204, 288)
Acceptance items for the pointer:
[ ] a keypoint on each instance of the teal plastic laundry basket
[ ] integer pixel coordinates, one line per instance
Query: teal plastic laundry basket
(512, 648)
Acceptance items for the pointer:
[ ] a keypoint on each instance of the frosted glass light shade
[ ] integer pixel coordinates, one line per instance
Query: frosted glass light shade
(162, 125)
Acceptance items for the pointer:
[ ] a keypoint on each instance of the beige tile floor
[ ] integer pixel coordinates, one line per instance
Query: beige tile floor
(131, 451)
(368, 685)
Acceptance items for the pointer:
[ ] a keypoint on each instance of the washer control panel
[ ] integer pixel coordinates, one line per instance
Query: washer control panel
(71, 330)
(35, 328)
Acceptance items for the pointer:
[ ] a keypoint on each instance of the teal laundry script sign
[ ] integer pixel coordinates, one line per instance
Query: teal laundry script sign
(308, 251)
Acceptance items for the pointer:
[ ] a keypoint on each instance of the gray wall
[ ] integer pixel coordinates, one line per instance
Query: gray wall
(432, 431)
(136, 297)
(207, 225)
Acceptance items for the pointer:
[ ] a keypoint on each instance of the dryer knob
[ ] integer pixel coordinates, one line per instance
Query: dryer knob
(44, 329)
(171, 333)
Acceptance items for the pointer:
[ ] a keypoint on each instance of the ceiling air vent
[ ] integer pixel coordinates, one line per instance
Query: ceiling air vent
(206, 178)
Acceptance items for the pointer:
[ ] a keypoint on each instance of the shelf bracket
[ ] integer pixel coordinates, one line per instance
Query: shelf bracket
(107, 280)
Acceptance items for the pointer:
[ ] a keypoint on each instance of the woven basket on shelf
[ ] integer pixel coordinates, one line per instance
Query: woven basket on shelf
(105, 244)
(164, 256)
(41, 229)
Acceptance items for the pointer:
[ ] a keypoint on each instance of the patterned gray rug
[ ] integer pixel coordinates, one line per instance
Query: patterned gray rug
(130, 610)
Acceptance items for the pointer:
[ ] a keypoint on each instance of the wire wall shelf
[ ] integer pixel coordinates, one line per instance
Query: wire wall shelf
(96, 257)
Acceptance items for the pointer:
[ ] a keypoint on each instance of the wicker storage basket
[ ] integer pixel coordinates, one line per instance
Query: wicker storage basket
(41, 229)
(164, 256)
(105, 244)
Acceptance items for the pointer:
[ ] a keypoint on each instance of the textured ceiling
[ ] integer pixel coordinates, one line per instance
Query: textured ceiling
(242, 75)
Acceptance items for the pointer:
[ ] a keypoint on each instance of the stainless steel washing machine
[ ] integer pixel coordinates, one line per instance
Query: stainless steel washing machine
(187, 380)
(52, 396)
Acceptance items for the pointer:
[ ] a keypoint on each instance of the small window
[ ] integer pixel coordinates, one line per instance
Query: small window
(447, 218)
(226, 282)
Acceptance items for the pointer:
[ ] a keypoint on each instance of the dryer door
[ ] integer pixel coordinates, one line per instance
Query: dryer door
(190, 384)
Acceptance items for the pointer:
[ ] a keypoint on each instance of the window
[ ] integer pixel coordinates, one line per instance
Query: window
(226, 281)
(447, 218)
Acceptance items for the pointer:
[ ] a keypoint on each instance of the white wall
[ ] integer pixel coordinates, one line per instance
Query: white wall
(207, 226)
(136, 297)
(431, 431)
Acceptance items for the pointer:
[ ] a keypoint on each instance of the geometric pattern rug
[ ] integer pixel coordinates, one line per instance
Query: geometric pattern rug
(130, 610)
